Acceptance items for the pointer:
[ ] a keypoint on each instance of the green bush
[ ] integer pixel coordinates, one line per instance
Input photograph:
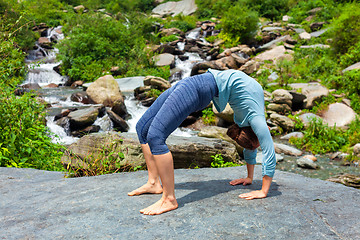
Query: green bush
(95, 43)
(24, 140)
(184, 23)
(320, 138)
(240, 23)
(345, 30)
(208, 116)
(218, 162)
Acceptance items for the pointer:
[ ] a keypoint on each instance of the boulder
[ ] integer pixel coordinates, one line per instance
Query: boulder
(272, 44)
(31, 86)
(284, 122)
(82, 118)
(318, 33)
(352, 67)
(314, 92)
(279, 108)
(272, 54)
(316, 25)
(105, 90)
(87, 130)
(164, 59)
(306, 118)
(51, 85)
(338, 114)
(286, 149)
(292, 135)
(227, 114)
(194, 151)
(347, 179)
(118, 122)
(220, 133)
(171, 31)
(79, 9)
(305, 36)
(306, 162)
(80, 97)
(282, 96)
(250, 67)
(315, 46)
(356, 149)
(184, 7)
(44, 42)
(157, 82)
(77, 84)
(120, 109)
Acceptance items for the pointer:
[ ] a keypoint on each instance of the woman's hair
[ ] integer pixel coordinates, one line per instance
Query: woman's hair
(244, 136)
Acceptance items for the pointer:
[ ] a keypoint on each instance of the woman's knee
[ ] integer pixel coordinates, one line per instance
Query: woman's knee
(140, 130)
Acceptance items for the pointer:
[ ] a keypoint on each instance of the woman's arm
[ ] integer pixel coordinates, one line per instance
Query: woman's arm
(259, 126)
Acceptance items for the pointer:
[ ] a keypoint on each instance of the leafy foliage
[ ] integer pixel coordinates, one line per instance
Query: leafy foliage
(218, 162)
(208, 116)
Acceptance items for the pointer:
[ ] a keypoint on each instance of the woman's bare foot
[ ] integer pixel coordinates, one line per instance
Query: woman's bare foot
(161, 206)
(147, 188)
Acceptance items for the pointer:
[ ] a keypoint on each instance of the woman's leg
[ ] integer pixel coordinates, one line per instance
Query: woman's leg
(153, 184)
(168, 202)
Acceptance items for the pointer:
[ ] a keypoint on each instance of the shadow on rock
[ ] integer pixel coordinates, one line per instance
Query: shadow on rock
(208, 189)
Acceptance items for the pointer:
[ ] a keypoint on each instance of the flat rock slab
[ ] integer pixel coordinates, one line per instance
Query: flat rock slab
(37, 204)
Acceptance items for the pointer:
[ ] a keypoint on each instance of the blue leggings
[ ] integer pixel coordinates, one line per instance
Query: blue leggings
(172, 107)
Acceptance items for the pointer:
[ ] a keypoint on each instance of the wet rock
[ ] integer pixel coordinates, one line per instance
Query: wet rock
(316, 26)
(349, 180)
(292, 135)
(339, 156)
(63, 113)
(81, 97)
(83, 117)
(227, 114)
(164, 59)
(338, 114)
(148, 102)
(51, 85)
(31, 86)
(120, 109)
(352, 67)
(77, 84)
(282, 96)
(85, 131)
(284, 122)
(286, 149)
(119, 123)
(166, 48)
(157, 82)
(105, 90)
(185, 7)
(44, 42)
(306, 162)
(305, 36)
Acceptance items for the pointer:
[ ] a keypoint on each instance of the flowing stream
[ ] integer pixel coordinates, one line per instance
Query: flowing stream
(41, 63)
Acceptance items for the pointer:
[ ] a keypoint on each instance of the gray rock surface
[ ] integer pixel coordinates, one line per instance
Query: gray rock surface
(185, 7)
(105, 90)
(305, 162)
(164, 59)
(38, 204)
(352, 67)
(286, 149)
(338, 114)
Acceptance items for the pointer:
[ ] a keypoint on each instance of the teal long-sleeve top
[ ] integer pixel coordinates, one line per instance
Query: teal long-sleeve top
(246, 98)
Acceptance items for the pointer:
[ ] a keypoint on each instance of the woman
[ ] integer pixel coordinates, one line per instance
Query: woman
(246, 98)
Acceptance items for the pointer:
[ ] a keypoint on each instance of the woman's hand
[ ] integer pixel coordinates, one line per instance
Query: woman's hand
(253, 195)
(243, 181)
